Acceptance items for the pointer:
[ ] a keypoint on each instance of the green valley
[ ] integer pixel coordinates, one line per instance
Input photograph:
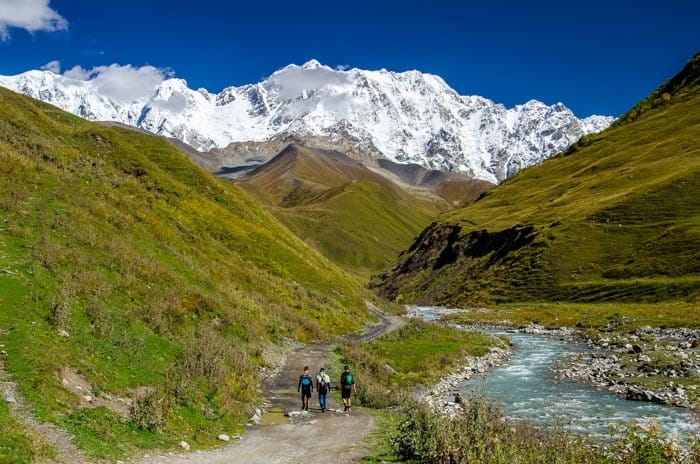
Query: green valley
(129, 271)
(356, 217)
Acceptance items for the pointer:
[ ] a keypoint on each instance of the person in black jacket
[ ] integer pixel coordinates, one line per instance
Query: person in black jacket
(347, 385)
(306, 386)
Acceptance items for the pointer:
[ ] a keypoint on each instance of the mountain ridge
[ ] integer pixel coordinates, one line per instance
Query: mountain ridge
(405, 117)
(614, 220)
(356, 216)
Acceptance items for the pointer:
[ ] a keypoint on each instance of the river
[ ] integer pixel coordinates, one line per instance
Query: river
(526, 389)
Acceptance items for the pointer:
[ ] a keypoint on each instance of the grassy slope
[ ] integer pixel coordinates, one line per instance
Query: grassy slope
(162, 275)
(356, 218)
(617, 219)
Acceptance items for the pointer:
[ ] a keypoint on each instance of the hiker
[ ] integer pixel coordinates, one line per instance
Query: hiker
(323, 386)
(306, 386)
(347, 385)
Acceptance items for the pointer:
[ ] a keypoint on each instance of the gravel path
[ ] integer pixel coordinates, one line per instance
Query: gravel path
(60, 439)
(293, 436)
(301, 437)
(285, 435)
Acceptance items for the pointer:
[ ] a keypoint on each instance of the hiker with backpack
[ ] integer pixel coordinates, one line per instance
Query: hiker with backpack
(306, 386)
(347, 385)
(323, 385)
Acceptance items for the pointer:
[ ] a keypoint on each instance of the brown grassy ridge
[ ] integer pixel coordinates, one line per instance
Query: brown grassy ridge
(357, 218)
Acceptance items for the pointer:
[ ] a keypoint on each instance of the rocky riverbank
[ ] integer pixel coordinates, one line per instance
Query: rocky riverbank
(437, 396)
(643, 364)
(659, 365)
(646, 364)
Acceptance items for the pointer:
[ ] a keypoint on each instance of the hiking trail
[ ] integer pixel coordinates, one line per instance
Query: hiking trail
(285, 434)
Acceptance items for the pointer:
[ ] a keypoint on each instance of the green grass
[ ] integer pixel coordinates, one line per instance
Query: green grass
(379, 440)
(422, 352)
(360, 229)
(17, 444)
(164, 277)
(104, 436)
(615, 219)
(418, 353)
(625, 316)
(356, 218)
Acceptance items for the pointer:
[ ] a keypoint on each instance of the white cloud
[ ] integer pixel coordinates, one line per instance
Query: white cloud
(342, 67)
(32, 15)
(77, 72)
(53, 66)
(294, 81)
(122, 83)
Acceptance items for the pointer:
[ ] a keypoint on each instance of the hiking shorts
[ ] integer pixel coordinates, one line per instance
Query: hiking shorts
(305, 392)
(345, 391)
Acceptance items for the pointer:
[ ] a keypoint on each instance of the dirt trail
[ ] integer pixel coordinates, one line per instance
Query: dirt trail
(309, 437)
(60, 439)
(305, 437)
(286, 434)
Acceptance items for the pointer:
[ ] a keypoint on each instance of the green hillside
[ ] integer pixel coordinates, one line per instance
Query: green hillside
(124, 264)
(354, 216)
(616, 218)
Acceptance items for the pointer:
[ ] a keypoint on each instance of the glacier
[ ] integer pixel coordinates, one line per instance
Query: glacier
(406, 117)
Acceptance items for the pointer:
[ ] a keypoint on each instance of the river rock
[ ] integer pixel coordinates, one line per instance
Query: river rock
(223, 437)
(434, 396)
(637, 394)
(184, 445)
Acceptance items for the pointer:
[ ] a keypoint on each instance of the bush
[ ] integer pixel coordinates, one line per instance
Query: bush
(647, 445)
(149, 410)
(479, 434)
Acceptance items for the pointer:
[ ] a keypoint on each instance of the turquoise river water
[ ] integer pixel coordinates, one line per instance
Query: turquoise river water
(526, 389)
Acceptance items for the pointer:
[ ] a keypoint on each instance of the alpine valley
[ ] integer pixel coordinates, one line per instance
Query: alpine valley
(407, 117)
(148, 307)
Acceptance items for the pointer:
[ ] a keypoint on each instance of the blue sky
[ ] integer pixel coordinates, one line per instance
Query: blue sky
(596, 57)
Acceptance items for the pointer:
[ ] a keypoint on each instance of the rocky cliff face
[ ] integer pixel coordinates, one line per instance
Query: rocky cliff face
(443, 263)
(408, 117)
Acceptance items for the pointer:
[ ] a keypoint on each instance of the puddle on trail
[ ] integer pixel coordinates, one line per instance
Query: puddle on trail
(274, 416)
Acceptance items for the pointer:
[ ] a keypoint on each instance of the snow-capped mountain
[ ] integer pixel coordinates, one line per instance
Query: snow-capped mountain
(407, 117)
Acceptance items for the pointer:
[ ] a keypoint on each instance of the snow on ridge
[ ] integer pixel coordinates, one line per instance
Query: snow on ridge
(408, 116)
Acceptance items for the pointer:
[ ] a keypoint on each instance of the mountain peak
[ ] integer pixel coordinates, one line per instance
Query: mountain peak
(313, 64)
(407, 117)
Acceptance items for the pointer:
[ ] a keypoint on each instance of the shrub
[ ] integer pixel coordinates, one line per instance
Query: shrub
(478, 433)
(149, 410)
(646, 444)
